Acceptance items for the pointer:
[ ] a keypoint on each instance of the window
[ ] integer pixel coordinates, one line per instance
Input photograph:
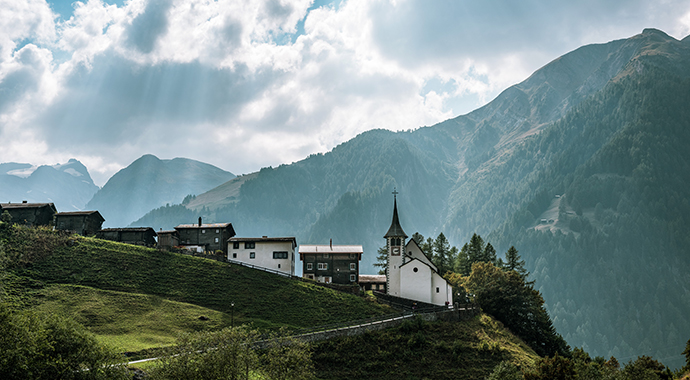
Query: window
(353, 278)
(438, 290)
(252, 255)
(249, 245)
(236, 245)
(203, 231)
(415, 270)
(322, 266)
(280, 255)
(326, 255)
(353, 266)
(278, 266)
(310, 266)
(215, 240)
(234, 255)
(217, 231)
(310, 276)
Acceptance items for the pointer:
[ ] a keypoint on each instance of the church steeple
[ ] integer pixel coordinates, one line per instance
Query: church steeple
(395, 230)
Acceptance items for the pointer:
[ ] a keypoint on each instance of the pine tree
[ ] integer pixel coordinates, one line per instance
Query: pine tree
(489, 255)
(382, 259)
(441, 254)
(514, 262)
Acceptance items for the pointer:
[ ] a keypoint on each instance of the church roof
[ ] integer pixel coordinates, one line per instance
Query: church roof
(395, 230)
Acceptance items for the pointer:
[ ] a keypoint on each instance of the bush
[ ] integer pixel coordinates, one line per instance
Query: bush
(46, 346)
(505, 370)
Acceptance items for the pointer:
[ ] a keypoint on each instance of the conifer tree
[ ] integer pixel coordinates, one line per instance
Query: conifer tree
(382, 259)
(489, 255)
(514, 262)
(441, 256)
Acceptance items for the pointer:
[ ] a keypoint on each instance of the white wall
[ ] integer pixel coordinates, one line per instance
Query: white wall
(263, 257)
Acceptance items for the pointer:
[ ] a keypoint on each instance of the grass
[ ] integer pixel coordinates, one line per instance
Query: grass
(128, 321)
(417, 350)
(137, 297)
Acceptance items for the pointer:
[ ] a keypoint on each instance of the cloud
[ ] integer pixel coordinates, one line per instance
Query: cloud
(233, 84)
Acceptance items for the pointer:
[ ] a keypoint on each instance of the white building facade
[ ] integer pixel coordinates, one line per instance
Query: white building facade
(410, 273)
(277, 253)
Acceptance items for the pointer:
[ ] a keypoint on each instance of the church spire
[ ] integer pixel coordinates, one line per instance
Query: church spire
(395, 230)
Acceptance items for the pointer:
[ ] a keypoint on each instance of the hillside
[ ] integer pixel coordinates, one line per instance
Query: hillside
(605, 126)
(138, 299)
(69, 186)
(150, 182)
(105, 284)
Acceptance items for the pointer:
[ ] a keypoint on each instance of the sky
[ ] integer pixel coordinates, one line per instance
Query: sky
(249, 84)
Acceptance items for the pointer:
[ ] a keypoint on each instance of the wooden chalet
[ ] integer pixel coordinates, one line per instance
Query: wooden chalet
(168, 239)
(205, 237)
(30, 214)
(338, 264)
(85, 223)
(145, 236)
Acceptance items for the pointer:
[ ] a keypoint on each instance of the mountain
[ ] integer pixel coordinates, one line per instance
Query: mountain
(583, 167)
(150, 182)
(69, 186)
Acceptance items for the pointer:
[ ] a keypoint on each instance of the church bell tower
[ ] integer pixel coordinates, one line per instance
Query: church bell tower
(395, 241)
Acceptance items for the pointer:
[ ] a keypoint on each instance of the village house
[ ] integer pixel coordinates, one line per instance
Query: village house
(205, 237)
(338, 264)
(375, 282)
(85, 223)
(30, 214)
(145, 236)
(410, 273)
(277, 253)
(168, 239)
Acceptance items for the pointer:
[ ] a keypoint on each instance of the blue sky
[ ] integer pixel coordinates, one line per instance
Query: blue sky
(254, 83)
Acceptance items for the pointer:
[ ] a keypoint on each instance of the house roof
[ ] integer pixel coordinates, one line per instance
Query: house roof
(264, 238)
(209, 225)
(80, 213)
(330, 249)
(169, 232)
(372, 278)
(395, 230)
(129, 229)
(4, 206)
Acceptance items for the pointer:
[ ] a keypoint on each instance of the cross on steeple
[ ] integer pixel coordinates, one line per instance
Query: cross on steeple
(395, 193)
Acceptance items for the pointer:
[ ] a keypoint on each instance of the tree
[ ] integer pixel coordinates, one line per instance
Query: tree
(441, 256)
(235, 353)
(555, 368)
(644, 368)
(514, 262)
(686, 353)
(475, 249)
(382, 259)
(6, 217)
(507, 297)
(489, 254)
(418, 238)
(42, 346)
(287, 358)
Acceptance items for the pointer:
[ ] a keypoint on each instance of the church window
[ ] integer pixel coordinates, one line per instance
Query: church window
(415, 270)
(438, 290)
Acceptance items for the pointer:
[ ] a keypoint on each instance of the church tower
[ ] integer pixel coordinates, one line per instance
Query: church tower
(395, 241)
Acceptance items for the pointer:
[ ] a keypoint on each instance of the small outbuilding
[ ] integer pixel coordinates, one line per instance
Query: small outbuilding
(145, 236)
(30, 214)
(375, 282)
(168, 239)
(85, 223)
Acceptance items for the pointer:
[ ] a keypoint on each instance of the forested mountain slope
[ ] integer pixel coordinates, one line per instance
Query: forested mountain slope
(604, 127)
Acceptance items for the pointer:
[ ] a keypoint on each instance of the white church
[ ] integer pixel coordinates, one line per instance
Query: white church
(410, 273)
